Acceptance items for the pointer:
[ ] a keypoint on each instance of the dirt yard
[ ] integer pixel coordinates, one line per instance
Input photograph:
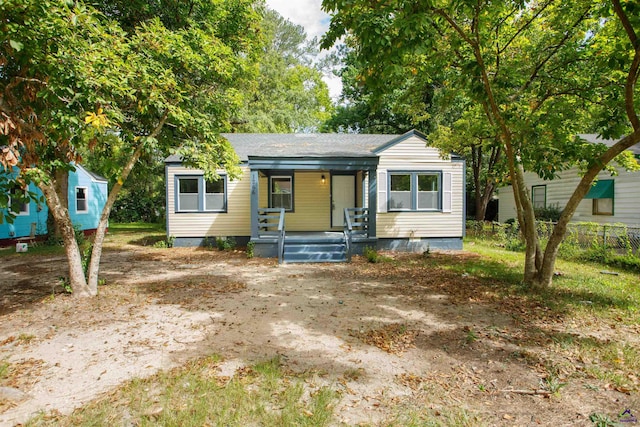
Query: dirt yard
(391, 336)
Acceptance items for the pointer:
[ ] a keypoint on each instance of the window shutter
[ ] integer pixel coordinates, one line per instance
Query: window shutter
(446, 192)
(382, 191)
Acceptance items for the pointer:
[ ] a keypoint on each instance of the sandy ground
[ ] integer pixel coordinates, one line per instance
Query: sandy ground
(457, 348)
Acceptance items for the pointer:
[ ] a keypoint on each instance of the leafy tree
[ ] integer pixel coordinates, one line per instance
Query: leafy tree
(362, 110)
(290, 95)
(472, 137)
(532, 67)
(75, 82)
(421, 100)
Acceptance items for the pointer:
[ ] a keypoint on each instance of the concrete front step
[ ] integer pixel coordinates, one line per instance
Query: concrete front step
(314, 252)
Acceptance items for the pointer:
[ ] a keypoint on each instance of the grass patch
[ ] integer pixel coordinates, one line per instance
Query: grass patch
(136, 233)
(40, 249)
(580, 287)
(449, 416)
(265, 394)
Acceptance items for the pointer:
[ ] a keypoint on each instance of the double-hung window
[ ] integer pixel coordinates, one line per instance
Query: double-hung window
(539, 196)
(400, 192)
(188, 198)
(281, 192)
(413, 191)
(82, 200)
(195, 194)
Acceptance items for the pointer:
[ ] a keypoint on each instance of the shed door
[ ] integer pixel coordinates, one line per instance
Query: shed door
(343, 195)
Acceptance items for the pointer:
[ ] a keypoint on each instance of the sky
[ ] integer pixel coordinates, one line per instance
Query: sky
(309, 14)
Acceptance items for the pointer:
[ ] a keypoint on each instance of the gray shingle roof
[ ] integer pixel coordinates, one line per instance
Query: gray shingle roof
(595, 139)
(304, 145)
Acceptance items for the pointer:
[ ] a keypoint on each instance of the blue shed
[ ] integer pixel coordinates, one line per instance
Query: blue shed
(87, 194)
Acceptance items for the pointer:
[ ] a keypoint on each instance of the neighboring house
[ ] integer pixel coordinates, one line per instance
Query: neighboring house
(87, 195)
(611, 199)
(400, 194)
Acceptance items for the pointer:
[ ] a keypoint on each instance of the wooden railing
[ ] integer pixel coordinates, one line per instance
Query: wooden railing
(356, 223)
(271, 224)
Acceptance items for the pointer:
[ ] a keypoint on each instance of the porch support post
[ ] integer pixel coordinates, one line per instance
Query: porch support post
(254, 203)
(373, 200)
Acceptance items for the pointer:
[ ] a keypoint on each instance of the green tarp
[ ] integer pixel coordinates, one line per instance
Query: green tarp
(602, 189)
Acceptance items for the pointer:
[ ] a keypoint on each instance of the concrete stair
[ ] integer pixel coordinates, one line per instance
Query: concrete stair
(317, 250)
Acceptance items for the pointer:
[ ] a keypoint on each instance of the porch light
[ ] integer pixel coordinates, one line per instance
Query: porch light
(323, 178)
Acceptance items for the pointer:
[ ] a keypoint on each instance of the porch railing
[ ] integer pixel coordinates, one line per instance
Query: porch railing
(356, 223)
(271, 224)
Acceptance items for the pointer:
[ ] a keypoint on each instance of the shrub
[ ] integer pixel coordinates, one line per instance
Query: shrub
(550, 213)
(250, 249)
(227, 244)
(164, 244)
(370, 254)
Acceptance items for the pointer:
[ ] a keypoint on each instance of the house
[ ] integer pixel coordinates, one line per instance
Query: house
(611, 199)
(321, 197)
(87, 194)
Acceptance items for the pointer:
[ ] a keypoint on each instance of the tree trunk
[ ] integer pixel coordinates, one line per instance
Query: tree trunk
(96, 251)
(60, 213)
(61, 186)
(98, 240)
(481, 207)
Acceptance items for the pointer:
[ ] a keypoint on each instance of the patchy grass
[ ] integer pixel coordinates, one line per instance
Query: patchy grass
(265, 394)
(39, 250)
(580, 334)
(135, 233)
(581, 288)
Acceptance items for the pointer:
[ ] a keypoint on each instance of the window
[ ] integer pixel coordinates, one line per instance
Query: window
(601, 193)
(82, 206)
(400, 192)
(214, 199)
(281, 192)
(194, 194)
(428, 191)
(602, 207)
(539, 196)
(414, 191)
(18, 201)
(188, 194)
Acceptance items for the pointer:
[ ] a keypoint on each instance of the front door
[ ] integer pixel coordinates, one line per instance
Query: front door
(343, 195)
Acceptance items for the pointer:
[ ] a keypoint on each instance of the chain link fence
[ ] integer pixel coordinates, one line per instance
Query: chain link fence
(617, 238)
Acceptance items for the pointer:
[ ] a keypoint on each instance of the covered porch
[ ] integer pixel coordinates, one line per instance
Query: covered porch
(312, 209)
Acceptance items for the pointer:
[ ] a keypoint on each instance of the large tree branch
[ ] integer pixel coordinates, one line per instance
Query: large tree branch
(567, 35)
(632, 76)
(524, 26)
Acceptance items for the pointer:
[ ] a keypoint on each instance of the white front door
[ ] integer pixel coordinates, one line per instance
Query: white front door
(343, 195)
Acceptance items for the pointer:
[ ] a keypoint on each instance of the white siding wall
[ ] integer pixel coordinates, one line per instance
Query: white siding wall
(412, 155)
(626, 203)
(235, 222)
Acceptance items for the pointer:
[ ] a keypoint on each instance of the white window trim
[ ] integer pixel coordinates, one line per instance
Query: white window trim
(533, 198)
(86, 199)
(414, 190)
(202, 193)
(290, 178)
(21, 212)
